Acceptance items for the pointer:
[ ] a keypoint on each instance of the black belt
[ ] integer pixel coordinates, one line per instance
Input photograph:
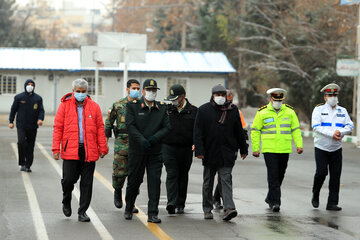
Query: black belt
(81, 145)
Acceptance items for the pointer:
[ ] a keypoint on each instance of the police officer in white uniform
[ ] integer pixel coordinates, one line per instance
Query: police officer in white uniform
(330, 123)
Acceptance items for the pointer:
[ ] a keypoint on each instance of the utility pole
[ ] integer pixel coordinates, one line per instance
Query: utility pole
(241, 83)
(357, 82)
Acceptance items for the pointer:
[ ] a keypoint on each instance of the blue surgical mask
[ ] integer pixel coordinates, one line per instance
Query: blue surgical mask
(134, 94)
(80, 97)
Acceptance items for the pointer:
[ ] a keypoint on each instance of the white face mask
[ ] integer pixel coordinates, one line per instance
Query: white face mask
(150, 96)
(219, 100)
(175, 103)
(29, 88)
(332, 101)
(277, 104)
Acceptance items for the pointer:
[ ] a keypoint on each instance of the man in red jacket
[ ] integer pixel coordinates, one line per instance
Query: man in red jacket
(79, 129)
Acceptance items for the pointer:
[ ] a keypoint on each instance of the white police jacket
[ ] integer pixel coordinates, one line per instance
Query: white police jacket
(325, 121)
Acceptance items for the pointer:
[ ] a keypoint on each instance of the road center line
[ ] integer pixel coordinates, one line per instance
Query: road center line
(99, 226)
(153, 227)
(38, 220)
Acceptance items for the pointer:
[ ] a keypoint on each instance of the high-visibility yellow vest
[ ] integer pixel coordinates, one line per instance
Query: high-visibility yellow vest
(276, 130)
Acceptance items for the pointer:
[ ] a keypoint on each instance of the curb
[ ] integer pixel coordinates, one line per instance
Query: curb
(349, 139)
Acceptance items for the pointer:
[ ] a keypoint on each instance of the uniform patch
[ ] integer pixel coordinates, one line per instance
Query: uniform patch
(141, 113)
(22, 101)
(122, 119)
(324, 113)
(339, 110)
(340, 115)
(268, 120)
(35, 106)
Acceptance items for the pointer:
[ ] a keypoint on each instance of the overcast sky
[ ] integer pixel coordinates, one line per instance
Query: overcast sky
(87, 4)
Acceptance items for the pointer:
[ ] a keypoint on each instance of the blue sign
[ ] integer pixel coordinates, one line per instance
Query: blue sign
(349, 2)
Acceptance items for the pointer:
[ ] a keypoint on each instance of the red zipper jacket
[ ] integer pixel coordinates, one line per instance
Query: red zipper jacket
(66, 130)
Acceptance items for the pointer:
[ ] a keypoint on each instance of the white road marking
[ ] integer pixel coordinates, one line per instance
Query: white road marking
(99, 226)
(33, 202)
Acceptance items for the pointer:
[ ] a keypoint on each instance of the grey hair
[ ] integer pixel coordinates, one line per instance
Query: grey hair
(81, 83)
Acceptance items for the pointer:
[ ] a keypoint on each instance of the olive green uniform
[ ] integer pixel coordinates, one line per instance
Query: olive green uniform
(121, 144)
(146, 127)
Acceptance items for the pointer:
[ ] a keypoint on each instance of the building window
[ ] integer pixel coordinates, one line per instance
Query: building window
(171, 81)
(91, 88)
(7, 84)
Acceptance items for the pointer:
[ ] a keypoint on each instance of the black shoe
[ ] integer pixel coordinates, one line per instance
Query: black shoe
(218, 205)
(67, 210)
(180, 210)
(269, 203)
(28, 170)
(135, 210)
(276, 208)
(229, 214)
(83, 218)
(118, 199)
(170, 209)
(128, 215)
(154, 219)
(23, 168)
(315, 201)
(333, 208)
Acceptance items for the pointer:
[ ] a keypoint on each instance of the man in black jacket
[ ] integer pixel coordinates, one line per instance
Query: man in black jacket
(177, 148)
(218, 134)
(29, 111)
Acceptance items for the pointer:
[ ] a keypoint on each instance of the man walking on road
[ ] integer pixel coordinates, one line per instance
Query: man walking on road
(147, 124)
(29, 111)
(218, 135)
(79, 130)
(330, 123)
(177, 148)
(120, 164)
(277, 124)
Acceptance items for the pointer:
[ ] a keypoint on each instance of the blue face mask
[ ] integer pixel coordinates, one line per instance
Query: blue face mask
(134, 94)
(80, 97)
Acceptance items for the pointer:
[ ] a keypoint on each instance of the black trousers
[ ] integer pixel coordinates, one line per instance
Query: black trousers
(177, 161)
(137, 165)
(26, 143)
(72, 170)
(332, 162)
(276, 164)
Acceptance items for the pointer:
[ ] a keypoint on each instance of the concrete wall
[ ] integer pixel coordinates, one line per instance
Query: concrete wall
(198, 86)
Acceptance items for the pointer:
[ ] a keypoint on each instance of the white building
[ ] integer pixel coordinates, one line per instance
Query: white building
(53, 71)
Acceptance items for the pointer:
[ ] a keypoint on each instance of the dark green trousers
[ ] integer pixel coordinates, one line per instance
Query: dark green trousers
(177, 162)
(137, 165)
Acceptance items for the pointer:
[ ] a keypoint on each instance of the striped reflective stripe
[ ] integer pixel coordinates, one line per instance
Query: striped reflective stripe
(349, 125)
(339, 125)
(326, 124)
(285, 125)
(316, 125)
(268, 132)
(255, 129)
(295, 129)
(285, 132)
(269, 126)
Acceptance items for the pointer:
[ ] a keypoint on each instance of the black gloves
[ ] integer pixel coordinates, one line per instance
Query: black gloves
(153, 140)
(145, 145)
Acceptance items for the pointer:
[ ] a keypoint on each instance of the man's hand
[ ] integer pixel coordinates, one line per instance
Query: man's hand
(200, 157)
(193, 147)
(256, 154)
(56, 156)
(337, 135)
(243, 156)
(39, 122)
(299, 150)
(145, 145)
(11, 125)
(102, 155)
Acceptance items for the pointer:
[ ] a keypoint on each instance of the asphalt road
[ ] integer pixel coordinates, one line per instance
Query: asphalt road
(30, 203)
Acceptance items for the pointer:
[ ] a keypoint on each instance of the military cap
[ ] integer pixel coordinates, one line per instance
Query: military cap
(150, 83)
(218, 89)
(175, 91)
(277, 94)
(331, 88)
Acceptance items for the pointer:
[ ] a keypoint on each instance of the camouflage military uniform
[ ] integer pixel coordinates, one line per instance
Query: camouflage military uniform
(121, 144)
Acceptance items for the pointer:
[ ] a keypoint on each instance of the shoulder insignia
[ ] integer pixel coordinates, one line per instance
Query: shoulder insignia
(262, 108)
(134, 101)
(320, 104)
(289, 106)
(162, 103)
